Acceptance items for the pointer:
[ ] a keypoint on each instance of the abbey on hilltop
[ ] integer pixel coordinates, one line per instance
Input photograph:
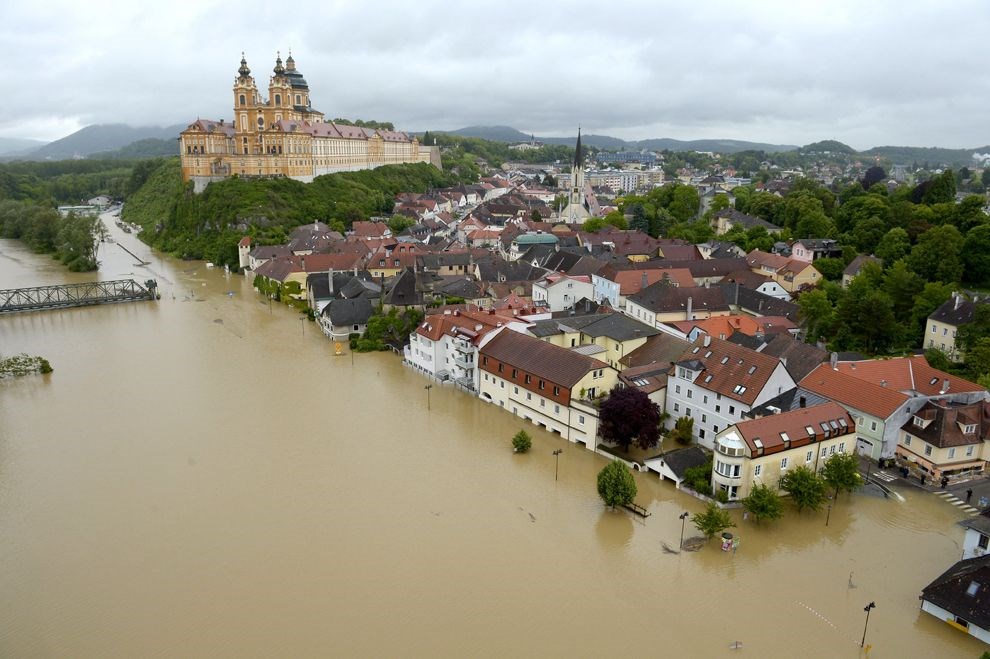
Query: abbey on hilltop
(284, 135)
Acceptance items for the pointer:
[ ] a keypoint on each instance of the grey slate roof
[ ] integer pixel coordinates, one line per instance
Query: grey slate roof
(349, 312)
(799, 358)
(758, 304)
(955, 311)
(683, 459)
(661, 297)
(616, 326)
(951, 591)
(748, 221)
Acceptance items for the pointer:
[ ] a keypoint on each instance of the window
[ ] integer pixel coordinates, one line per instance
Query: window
(556, 391)
(499, 368)
(542, 385)
(831, 449)
(783, 464)
(842, 447)
(824, 452)
(945, 331)
(810, 454)
(757, 469)
(581, 419)
(484, 361)
(718, 408)
(969, 451)
(952, 452)
(701, 434)
(715, 429)
(687, 411)
(677, 388)
(983, 542)
(928, 449)
(907, 439)
(677, 407)
(704, 418)
(514, 373)
(556, 409)
(690, 393)
(501, 384)
(543, 402)
(527, 379)
(529, 396)
(732, 409)
(705, 399)
(873, 425)
(515, 390)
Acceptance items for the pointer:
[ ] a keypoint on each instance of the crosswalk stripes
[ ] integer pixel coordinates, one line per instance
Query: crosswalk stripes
(949, 497)
(884, 476)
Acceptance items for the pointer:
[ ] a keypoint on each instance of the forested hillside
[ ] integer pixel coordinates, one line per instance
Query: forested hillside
(209, 225)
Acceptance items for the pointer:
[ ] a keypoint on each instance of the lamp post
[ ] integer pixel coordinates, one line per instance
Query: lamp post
(867, 608)
(556, 462)
(428, 387)
(683, 516)
(302, 321)
(829, 513)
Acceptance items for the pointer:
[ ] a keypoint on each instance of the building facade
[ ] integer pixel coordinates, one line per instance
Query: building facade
(283, 135)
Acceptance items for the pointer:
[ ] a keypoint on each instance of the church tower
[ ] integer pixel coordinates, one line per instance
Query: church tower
(245, 109)
(280, 91)
(576, 210)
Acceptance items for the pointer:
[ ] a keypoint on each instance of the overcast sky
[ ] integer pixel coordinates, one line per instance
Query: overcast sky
(867, 73)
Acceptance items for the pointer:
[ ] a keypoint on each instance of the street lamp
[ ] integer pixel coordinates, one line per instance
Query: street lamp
(302, 320)
(683, 516)
(428, 387)
(829, 513)
(556, 465)
(867, 608)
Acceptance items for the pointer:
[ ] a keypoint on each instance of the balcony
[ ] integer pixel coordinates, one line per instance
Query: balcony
(464, 361)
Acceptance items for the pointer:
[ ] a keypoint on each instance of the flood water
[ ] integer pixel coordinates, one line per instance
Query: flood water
(202, 477)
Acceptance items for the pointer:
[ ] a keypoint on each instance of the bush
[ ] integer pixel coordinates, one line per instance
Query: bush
(522, 442)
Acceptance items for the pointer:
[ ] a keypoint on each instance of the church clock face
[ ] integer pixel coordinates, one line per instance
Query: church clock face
(261, 122)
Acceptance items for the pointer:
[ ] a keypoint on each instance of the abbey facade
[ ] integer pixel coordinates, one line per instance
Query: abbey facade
(284, 136)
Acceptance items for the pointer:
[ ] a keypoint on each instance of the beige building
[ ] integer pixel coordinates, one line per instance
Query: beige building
(761, 451)
(944, 323)
(947, 439)
(283, 135)
(545, 384)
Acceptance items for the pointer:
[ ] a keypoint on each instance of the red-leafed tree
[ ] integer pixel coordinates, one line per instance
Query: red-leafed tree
(628, 416)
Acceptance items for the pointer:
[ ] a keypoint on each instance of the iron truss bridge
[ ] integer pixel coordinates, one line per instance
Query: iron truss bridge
(76, 295)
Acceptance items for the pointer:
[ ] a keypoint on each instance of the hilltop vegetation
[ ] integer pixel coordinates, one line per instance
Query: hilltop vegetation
(209, 225)
(63, 181)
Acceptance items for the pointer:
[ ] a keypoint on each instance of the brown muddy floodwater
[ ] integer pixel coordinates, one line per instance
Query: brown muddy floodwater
(202, 477)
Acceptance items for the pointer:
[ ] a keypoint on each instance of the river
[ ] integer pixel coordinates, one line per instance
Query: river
(201, 476)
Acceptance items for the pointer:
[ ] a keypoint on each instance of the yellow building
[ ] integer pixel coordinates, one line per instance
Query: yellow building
(947, 439)
(761, 451)
(284, 135)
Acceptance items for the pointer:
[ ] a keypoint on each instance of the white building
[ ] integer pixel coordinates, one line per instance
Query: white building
(558, 291)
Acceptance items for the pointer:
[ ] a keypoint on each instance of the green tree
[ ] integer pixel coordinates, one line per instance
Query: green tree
(866, 321)
(763, 503)
(713, 521)
(522, 442)
(593, 224)
(978, 328)
(978, 359)
(942, 189)
(699, 478)
(841, 472)
(903, 286)
(806, 488)
(817, 314)
(931, 297)
(616, 485)
(683, 430)
(617, 220)
(894, 245)
(938, 254)
(976, 255)
(684, 203)
(831, 268)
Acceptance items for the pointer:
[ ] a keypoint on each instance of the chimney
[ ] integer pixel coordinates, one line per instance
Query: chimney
(644, 283)
(330, 279)
(945, 386)
(689, 308)
(957, 300)
(708, 340)
(833, 360)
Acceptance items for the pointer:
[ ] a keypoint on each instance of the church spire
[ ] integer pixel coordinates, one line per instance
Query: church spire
(244, 71)
(279, 69)
(578, 157)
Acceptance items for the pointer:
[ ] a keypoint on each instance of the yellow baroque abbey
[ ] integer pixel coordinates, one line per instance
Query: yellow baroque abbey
(285, 136)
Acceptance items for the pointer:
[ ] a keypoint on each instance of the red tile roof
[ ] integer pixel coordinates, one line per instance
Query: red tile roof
(729, 369)
(552, 363)
(853, 392)
(770, 431)
(907, 374)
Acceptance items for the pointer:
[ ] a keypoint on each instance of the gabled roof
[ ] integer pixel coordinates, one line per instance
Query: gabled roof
(683, 459)
(659, 349)
(728, 369)
(853, 392)
(756, 303)
(631, 281)
(768, 433)
(964, 591)
(748, 221)
(910, 375)
(799, 358)
(552, 363)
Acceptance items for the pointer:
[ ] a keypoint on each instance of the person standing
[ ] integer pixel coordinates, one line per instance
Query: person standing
(945, 481)
(969, 494)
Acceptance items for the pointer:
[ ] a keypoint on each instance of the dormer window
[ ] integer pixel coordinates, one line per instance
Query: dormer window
(968, 428)
(918, 421)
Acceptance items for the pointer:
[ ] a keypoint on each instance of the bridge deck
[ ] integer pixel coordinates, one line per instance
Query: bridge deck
(75, 295)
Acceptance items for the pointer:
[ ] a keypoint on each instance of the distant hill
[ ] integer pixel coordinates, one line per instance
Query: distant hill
(509, 134)
(11, 146)
(828, 146)
(934, 156)
(146, 148)
(100, 138)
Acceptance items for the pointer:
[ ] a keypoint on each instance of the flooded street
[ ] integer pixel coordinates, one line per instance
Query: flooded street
(202, 477)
